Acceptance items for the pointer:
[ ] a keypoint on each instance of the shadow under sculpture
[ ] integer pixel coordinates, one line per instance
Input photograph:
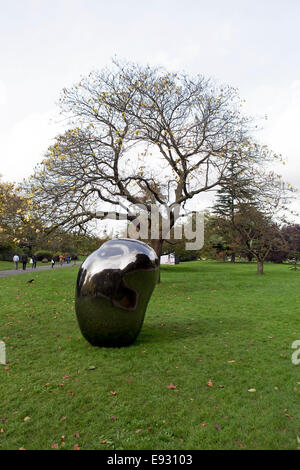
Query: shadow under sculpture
(114, 286)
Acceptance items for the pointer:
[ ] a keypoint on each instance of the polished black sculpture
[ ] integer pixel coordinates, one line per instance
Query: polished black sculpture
(114, 285)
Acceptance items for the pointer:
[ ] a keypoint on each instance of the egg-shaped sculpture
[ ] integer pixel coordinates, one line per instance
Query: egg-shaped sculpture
(114, 286)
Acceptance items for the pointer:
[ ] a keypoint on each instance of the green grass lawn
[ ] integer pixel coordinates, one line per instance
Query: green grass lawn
(212, 331)
(4, 265)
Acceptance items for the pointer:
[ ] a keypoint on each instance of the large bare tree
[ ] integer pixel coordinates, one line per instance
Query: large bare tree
(140, 135)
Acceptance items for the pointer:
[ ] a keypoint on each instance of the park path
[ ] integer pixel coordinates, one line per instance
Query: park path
(12, 272)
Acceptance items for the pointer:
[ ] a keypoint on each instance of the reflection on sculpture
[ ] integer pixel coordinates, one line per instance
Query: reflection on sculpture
(114, 285)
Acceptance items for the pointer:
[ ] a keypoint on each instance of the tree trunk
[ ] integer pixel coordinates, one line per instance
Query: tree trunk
(295, 265)
(220, 256)
(260, 267)
(157, 247)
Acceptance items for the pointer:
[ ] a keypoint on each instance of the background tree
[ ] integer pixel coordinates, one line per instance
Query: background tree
(291, 234)
(17, 222)
(250, 211)
(62, 242)
(259, 225)
(238, 186)
(258, 234)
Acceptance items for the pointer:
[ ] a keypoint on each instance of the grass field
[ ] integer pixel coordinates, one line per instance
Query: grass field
(4, 265)
(212, 332)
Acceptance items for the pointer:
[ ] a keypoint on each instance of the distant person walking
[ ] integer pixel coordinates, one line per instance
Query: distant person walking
(24, 259)
(61, 260)
(52, 263)
(34, 260)
(16, 260)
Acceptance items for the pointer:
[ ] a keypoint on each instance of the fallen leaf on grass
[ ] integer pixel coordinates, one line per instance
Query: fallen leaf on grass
(138, 431)
(112, 392)
(27, 418)
(54, 446)
(63, 418)
(203, 424)
(77, 434)
(171, 386)
(114, 418)
(1, 430)
(76, 447)
(252, 390)
(218, 426)
(209, 383)
(22, 448)
(91, 368)
(103, 442)
(239, 443)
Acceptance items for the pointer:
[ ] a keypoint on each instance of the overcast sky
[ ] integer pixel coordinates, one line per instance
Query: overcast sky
(47, 45)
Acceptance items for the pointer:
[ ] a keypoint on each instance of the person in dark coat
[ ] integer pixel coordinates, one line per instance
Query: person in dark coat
(34, 260)
(24, 259)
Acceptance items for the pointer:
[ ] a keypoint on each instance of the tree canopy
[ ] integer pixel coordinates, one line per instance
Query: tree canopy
(140, 135)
